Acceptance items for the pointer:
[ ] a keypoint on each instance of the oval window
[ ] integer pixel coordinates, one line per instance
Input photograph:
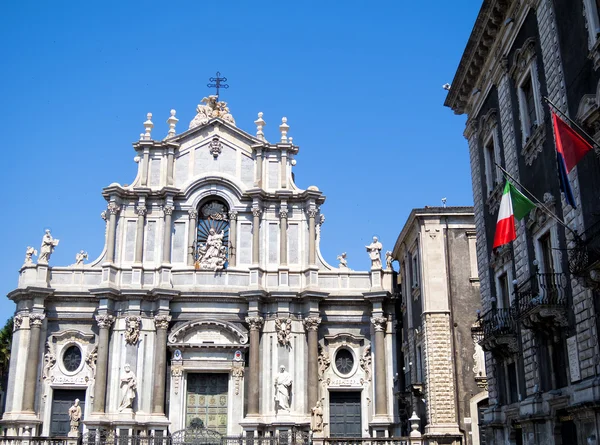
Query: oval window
(344, 361)
(72, 358)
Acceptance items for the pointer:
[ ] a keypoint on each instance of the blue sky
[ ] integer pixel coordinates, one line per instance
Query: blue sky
(360, 83)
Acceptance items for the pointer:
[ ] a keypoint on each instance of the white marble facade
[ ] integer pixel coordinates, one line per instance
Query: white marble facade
(159, 300)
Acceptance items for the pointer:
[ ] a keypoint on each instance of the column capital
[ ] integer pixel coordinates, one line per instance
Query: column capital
(35, 320)
(113, 208)
(312, 323)
(312, 212)
(283, 212)
(141, 210)
(256, 211)
(255, 323)
(193, 213)
(233, 215)
(104, 321)
(379, 323)
(162, 321)
(168, 209)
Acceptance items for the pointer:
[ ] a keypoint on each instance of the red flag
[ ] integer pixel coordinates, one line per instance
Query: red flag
(569, 143)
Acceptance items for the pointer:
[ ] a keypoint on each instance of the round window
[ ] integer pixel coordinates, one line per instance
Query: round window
(344, 361)
(72, 358)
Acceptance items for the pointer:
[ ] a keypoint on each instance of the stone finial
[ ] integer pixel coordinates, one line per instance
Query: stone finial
(291, 140)
(148, 125)
(414, 425)
(284, 127)
(260, 123)
(172, 121)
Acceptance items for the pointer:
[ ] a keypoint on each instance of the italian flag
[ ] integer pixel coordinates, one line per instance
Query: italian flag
(514, 205)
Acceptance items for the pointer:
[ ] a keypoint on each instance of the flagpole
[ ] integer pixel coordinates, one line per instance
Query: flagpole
(571, 121)
(542, 205)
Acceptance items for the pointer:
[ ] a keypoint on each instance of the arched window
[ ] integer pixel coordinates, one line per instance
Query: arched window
(212, 235)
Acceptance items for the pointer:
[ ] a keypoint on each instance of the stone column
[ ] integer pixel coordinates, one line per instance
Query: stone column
(255, 324)
(259, 167)
(167, 235)
(256, 235)
(283, 226)
(139, 238)
(312, 213)
(233, 215)
(160, 363)
(380, 393)
(192, 231)
(31, 377)
(312, 327)
(113, 209)
(104, 322)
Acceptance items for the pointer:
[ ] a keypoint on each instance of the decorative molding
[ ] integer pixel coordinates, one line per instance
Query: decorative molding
(180, 332)
(49, 360)
(104, 321)
(283, 327)
(312, 323)
(522, 58)
(323, 361)
(132, 329)
(379, 323)
(538, 217)
(255, 323)
(494, 198)
(215, 147)
(488, 123)
(91, 360)
(238, 375)
(366, 362)
(17, 322)
(72, 334)
(534, 145)
(176, 374)
(162, 321)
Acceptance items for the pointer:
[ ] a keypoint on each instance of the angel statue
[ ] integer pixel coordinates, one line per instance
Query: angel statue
(343, 262)
(284, 329)
(29, 253)
(80, 257)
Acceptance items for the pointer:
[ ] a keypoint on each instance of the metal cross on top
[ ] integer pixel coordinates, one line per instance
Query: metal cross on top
(218, 83)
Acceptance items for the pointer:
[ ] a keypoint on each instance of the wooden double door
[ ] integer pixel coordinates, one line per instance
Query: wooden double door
(62, 400)
(345, 414)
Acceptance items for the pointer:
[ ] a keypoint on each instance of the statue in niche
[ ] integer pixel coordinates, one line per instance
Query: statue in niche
(80, 257)
(343, 261)
(317, 417)
(128, 387)
(374, 250)
(48, 245)
(75, 417)
(284, 330)
(132, 330)
(213, 254)
(283, 389)
(29, 253)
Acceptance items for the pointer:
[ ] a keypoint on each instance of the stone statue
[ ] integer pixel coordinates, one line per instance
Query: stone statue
(211, 110)
(75, 417)
(29, 253)
(48, 245)
(283, 389)
(317, 417)
(366, 361)
(388, 260)
(284, 330)
(374, 250)
(128, 387)
(80, 257)
(324, 362)
(343, 262)
(213, 254)
(132, 330)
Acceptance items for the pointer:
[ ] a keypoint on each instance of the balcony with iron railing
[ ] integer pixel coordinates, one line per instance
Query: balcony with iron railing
(498, 330)
(542, 300)
(584, 257)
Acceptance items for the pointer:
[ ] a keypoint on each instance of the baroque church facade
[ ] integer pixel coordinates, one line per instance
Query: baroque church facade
(210, 304)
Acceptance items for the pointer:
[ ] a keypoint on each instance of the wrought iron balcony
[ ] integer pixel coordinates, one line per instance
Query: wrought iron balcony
(499, 330)
(584, 258)
(542, 299)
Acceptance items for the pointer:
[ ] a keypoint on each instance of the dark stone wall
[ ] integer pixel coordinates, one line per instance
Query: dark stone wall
(465, 301)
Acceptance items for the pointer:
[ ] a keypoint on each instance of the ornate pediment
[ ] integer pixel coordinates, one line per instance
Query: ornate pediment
(344, 339)
(208, 333)
(522, 58)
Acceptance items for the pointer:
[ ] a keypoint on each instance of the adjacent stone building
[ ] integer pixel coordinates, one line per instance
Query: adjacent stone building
(443, 377)
(210, 304)
(540, 298)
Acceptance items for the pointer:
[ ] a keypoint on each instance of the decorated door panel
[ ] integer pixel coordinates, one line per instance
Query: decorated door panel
(207, 401)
